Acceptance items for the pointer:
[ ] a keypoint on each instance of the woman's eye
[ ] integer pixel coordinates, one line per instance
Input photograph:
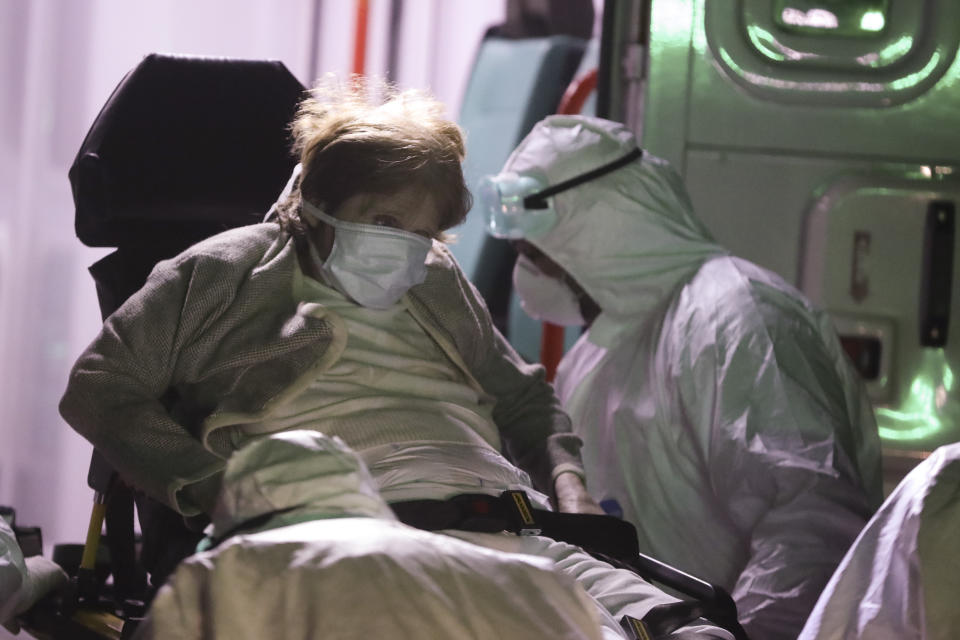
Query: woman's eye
(386, 221)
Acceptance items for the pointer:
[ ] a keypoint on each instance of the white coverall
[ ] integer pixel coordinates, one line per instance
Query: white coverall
(715, 404)
(901, 578)
(23, 581)
(332, 562)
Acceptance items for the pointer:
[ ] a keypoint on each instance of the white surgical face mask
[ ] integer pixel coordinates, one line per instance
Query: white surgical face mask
(543, 297)
(374, 266)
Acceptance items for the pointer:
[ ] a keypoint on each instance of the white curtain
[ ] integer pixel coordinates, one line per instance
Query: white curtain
(59, 61)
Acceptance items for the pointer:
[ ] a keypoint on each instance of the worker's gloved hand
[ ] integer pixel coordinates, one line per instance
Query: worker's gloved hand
(42, 577)
(572, 496)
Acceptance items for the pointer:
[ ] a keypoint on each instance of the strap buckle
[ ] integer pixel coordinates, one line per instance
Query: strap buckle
(520, 513)
(636, 629)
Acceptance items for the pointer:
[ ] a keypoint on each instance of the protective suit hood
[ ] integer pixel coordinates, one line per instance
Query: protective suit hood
(629, 237)
(297, 475)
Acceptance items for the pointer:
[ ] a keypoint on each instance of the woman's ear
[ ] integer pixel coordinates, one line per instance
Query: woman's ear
(321, 235)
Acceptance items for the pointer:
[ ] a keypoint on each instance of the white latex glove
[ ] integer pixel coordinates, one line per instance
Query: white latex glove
(42, 577)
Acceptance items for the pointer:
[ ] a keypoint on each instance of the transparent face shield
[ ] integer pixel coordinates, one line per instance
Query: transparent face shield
(517, 206)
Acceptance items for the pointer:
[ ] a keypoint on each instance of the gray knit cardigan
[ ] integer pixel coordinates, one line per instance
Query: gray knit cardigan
(215, 338)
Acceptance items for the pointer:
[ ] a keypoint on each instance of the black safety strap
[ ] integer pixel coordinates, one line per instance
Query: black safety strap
(605, 537)
(511, 511)
(662, 620)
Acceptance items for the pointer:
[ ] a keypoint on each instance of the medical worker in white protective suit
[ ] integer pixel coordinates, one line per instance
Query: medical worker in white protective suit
(717, 409)
(901, 578)
(23, 581)
(307, 548)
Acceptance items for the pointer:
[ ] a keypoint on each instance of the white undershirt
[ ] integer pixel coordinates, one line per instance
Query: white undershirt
(397, 400)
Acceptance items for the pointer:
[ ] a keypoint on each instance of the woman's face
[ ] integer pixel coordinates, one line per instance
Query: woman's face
(412, 209)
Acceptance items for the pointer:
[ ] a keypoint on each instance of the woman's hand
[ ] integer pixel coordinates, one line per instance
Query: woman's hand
(572, 496)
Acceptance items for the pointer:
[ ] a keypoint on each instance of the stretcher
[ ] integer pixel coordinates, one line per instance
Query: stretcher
(92, 608)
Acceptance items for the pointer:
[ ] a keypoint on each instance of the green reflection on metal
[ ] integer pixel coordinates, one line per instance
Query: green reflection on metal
(764, 42)
(810, 20)
(770, 46)
(672, 20)
(730, 62)
(851, 18)
(916, 78)
(872, 21)
(919, 417)
(895, 50)
(774, 82)
(696, 27)
(673, 17)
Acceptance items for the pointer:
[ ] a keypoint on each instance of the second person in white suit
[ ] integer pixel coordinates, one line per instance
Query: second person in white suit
(718, 411)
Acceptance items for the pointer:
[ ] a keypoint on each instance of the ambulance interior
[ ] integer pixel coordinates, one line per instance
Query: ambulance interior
(817, 139)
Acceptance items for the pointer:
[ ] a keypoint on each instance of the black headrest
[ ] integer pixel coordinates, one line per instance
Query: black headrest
(185, 146)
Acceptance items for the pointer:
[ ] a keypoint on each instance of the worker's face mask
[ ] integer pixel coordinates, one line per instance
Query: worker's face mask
(520, 206)
(372, 265)
(544, 297)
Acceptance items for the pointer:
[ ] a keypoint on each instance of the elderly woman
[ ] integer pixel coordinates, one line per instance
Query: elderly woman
(347, 315)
